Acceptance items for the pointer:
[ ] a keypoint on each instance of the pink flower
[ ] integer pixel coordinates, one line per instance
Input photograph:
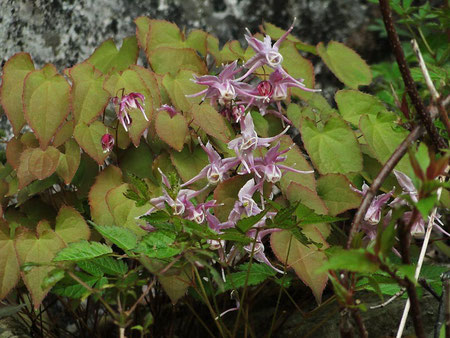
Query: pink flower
(373, 214)
(245, 144)
(269, 167)
(107, 141)
(217, 169)
(171, 110)
(245, 203)
(221, 88)
(127, 103)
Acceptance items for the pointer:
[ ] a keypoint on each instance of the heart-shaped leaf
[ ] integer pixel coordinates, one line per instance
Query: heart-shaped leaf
(305, 260)
(9, 264)
(108, 59)
(333, 147)
(69, 161)
(170, 60)
(89, 138)
(211, 122)
(43, 163)
(109, 178)
(70, 225)
(179, 86)
(346, 64)
(353, 104)
(45, 102)
(87, 96)
(14, 72)
(172, 130)
(40, 249)
(299, 193)
(334, 190)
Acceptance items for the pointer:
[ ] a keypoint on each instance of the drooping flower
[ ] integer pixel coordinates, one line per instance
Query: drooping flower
(258, 247)
(171, 110)
(245, 144)
(245, 205)
(418, 228)
(221, 88)
(269, 168)
(217, 169)
(178, 203)
(107, 141)
(126, 103)
(373, 214)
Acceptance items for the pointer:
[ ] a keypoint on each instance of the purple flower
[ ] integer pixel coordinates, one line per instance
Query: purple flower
(245, 203)
(127, 103)
(418, 228)
(107, 143)
(269, 168)
(373, 214)
(258, 246)
(266, 53)
(198, 212)
(179, 203)
(221, 88)
(171, 110)
(216, 225)
(217, 169)
(245, 144)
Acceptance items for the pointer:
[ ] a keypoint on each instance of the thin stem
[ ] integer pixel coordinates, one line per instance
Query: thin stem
(378, 181)
(87, 287)
(200, 320)
(438, 142)
(145, 293)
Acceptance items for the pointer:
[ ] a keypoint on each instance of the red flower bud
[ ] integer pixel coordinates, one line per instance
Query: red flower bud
(107, 143)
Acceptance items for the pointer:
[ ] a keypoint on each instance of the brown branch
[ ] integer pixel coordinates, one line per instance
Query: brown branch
(411, 89)
(378, 181)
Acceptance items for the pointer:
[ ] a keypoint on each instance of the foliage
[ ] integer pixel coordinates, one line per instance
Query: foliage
(182, 181)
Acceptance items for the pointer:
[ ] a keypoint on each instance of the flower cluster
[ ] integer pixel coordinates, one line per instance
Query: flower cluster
(373, 215)
(232, 93)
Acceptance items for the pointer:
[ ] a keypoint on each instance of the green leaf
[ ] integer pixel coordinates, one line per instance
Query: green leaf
(129, 81)
(69, 161)
(334, 190)
(100, 265)
(9, 264)
(245, 224)
(211, 122)
(306, 260)
(43, 163)
(190, 163)
(142, 31)
(89, 138)
(197, 40)
(176, 282)
(124, 210)
(425, 205)
(70, 225)
(179, 86)
(23, 171)
(299, 193)
(353, 104)
(151, 82)
(170, 60)
(64, 133)
(68, 287)
(108, 59)
(109, 178)
(338, 57)
(332, 148)
(355, 260)
(15, 71)
(258, 273)
(172, 130)
(40, 250)
(383, 137)
(161, 33)
(122, 237)
(158, 244)
(45, 102)
(295, 159)
(52, 278)
(81, 250)
(266, 126)
(87, 96)
(298, 67)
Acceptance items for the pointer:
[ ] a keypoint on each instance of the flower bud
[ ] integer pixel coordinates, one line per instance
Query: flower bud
(107, 143)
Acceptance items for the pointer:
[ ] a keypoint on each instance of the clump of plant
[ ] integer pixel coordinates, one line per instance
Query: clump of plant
(140, 191)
